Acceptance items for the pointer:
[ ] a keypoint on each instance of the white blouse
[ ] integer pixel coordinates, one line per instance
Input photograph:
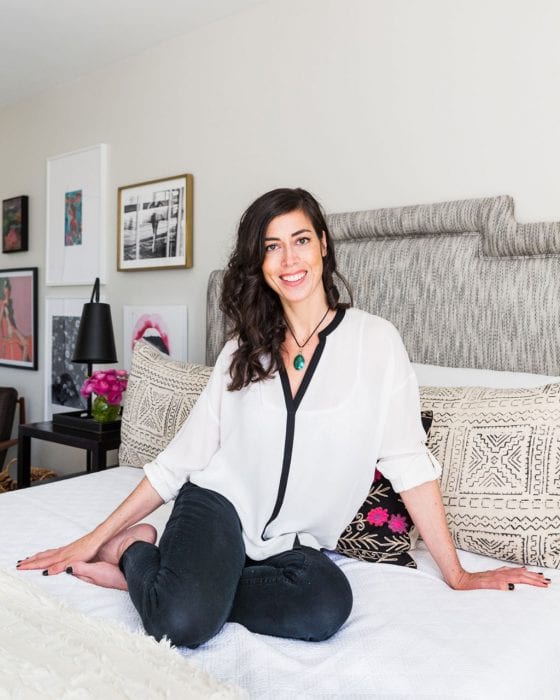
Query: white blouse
(304, 465)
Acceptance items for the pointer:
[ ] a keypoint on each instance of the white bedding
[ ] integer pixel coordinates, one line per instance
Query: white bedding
(409, 635)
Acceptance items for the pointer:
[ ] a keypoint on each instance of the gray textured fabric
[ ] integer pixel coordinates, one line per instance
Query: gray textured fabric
(465, 284)
(215, 319)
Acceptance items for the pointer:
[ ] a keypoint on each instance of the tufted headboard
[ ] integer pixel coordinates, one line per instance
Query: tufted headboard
(464, 283)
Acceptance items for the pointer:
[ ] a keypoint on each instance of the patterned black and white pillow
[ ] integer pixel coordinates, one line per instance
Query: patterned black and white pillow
(500, 454)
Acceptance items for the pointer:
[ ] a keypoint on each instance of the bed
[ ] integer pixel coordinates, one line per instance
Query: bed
(474, 295)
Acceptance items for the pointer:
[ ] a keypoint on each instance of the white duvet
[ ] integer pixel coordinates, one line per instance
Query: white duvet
(409, 635)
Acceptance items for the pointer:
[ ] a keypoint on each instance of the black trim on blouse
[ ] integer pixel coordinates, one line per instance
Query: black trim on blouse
(292, 405)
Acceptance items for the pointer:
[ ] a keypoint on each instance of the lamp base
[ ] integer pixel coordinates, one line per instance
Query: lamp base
(82, 421)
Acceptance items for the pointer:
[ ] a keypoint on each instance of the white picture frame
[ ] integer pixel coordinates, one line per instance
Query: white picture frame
(166, 326)
(62, 318)
(76, 216)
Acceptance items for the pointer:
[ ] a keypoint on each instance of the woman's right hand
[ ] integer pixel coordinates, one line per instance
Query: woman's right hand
(55, 561)
(142, 501)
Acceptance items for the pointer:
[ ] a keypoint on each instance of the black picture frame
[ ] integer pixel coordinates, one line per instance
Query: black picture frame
(18, 318)
(15, 224)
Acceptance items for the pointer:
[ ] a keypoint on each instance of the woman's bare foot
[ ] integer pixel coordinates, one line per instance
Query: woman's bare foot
(112, 551)
(104, 570)
(100, 573)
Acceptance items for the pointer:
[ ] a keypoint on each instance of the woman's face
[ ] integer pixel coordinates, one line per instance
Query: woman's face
(293, 258)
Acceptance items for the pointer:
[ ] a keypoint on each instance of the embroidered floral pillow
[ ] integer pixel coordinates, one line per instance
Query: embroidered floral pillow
(380, 530)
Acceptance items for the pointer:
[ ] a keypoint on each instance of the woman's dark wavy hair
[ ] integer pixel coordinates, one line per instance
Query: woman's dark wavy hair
(252, 307)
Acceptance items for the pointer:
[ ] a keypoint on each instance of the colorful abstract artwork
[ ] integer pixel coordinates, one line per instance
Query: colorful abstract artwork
(76, 199)
(73, 218)
(14, 224)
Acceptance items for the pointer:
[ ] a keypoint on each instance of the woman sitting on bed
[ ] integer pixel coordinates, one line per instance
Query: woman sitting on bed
(276, 457)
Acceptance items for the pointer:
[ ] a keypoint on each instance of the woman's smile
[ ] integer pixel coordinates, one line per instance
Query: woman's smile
(293, 258)
(294, 278)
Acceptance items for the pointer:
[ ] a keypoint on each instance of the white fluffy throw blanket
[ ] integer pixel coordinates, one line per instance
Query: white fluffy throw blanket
(49, 650)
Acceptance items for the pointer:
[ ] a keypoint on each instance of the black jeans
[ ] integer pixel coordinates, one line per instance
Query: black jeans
(199, 578)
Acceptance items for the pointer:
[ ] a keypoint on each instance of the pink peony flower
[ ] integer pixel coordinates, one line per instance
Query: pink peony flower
(114, 397)
(86, 389)
(378, 475)
(377, 516)
(398, 523)
(109, 383)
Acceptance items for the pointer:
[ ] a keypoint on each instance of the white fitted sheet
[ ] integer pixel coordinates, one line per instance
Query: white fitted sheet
(409, 635)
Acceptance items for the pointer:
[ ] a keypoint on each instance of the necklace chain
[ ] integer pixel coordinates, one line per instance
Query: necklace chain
(299, 360)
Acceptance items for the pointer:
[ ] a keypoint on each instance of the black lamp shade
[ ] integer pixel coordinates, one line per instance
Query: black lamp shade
(96, 342)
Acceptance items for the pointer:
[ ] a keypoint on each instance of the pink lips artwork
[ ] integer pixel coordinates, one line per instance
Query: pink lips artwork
(152, 328)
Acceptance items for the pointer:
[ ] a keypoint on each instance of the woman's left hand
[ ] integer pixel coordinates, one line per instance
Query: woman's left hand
(505, 578)
(426, 509)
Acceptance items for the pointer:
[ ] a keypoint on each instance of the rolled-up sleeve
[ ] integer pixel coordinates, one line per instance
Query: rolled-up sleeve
(404, 458)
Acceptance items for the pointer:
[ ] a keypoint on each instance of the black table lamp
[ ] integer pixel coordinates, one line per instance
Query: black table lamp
(96, 342)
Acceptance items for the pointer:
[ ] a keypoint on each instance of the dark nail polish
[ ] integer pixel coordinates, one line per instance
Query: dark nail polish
(511, 586)
(548, 579)
(46, 572)
(19, 561)
(69, 570)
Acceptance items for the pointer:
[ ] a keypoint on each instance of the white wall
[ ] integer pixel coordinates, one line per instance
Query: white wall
(367, 103)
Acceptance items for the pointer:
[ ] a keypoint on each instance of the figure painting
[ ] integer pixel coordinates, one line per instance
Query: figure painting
(155, 224)
(18, 321)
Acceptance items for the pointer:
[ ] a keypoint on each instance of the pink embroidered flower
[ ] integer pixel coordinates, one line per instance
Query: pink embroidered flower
(377, 516)
(398, 523)
(378, 475)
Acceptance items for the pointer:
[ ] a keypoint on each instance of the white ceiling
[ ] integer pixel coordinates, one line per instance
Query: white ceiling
(47, 42)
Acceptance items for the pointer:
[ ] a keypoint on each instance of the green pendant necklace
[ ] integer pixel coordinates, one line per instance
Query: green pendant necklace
(299, 359)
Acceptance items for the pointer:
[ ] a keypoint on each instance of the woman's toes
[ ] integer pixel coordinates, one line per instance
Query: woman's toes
(100, 573)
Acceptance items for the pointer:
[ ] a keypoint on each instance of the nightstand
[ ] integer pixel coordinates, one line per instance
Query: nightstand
(96, 444)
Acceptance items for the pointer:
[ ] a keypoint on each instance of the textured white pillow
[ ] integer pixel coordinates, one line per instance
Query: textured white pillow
(434, 375)
(160, 395)
(500, 453)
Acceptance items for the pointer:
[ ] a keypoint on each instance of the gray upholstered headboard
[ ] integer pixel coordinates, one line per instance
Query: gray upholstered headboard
(465, 284)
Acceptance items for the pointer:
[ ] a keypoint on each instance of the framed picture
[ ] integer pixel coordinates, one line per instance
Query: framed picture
(18, 318)
(154, 230)
(76, 216)
(14, 224)
(163, 326)
(63, 378)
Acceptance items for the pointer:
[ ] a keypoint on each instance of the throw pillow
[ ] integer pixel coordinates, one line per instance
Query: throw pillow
(160, 395)
(381, 531)
(500, 454)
